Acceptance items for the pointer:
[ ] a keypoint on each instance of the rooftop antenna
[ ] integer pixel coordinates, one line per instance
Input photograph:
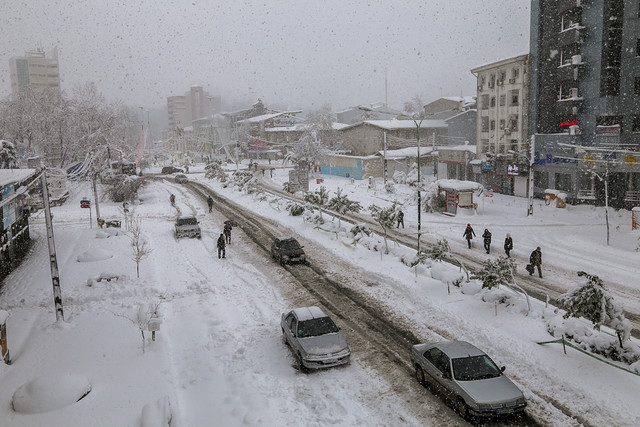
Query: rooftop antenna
(385, 90)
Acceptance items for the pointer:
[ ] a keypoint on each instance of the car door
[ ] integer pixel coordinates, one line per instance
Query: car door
(290, 329)
(432, 368)
(449, 387)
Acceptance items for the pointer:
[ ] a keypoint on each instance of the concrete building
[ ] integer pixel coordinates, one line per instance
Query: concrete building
(35, 71)
(448, 106)
(357, 114)
(193, 105)
(502, 124)
(585, 90)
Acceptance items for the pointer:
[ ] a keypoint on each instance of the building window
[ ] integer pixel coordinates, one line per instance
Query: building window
(513, 123)
(485, 124)
(636, 85)
(503, 100)
(541, 179)
(636, 124)
(514, 97)
(514, 144)
(484, 145)
(563, 182)
(503, 75)
(502, 124)
(493, 125)
(485, 102)
(493, 101)
(515, 73)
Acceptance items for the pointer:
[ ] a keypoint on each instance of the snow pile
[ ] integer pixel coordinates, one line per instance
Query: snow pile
(157, 414)
(95, 254)
(50, 392)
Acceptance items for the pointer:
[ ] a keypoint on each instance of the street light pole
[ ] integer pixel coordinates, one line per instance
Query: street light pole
(418, 124)
(531, 163)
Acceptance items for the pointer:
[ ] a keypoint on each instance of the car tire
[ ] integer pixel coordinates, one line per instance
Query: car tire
(284, 338)
(301, 366)
(420, 375)
(462, 409)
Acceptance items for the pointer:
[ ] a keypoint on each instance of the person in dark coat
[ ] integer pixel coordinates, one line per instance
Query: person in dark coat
(210, 202)
(535, 260)
(508, 245)
(469, 234)
(227, 232)
(487, 240)
(172, 200)
(221, 246)
(400, 219)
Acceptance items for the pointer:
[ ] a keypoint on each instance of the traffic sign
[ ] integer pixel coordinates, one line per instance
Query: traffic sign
(85, 203)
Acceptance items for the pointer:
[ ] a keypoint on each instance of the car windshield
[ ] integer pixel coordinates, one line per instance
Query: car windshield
(290, 244)
(187, 221)
(474, 368)
(318, 326)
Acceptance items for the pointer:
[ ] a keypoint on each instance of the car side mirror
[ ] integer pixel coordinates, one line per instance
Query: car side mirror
(503, 368)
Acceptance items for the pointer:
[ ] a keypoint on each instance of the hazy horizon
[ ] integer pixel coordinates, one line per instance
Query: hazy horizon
(290, 54)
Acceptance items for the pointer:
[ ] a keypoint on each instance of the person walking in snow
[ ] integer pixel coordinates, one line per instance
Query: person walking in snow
(172, 200)
(469, 234)
(508, 245)
(227, 232)
(535, 260)
(487, 240)
(221, 246)
(400, 219)
(210, 202)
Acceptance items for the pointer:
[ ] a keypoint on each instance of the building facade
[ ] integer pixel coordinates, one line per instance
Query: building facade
(35, 72)
(502, 124)
(585, 92)
(196, 104)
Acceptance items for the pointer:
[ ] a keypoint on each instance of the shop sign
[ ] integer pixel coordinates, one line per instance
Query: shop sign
(452, 156)
(283, 122)
(613, 130)
(550, 159)
(488, 167)
(512, 170)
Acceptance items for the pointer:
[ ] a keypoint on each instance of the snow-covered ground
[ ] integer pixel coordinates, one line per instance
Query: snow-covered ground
(219, 359)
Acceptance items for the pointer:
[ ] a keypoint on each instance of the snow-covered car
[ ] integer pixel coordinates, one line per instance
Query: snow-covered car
(287, 250)
(181, 178)
(187, 226)
(171, 169)
(314, 338)
(468, 377)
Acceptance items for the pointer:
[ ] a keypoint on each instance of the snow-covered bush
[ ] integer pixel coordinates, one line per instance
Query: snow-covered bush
(7, 155)
(312, 217)
(342, 205)
(214, 171)
(359, 230)
(386, 218)
(399, 177)
(389, 187)
(320, 197)
(244, 181)
(438, 251)
(495, 272)
(593, 302)
(434, 201)
(296, 210)
(124, 188)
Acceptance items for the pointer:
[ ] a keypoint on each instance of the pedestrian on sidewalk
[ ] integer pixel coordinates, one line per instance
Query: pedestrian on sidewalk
(487, 240)
(172, 200)
(508, 245)
(469, 234)
(221, 246)
(210, 202)
(400, 219)
(227, 232)
(535, 260)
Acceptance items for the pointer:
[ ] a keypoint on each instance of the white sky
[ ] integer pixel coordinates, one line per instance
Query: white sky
(289, 53)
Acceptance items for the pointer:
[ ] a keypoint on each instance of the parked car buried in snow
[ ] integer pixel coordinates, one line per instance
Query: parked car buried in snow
(314, 338)
(187, 226)
(465, 375)
(287, 250)
(171, 169)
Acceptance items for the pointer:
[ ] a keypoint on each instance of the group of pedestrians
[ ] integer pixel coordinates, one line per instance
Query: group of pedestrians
(535, 259)
(225, 237)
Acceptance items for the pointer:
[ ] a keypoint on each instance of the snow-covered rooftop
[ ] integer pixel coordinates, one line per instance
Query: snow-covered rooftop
(402, 124)
(454, 184)
(463, 147)
(8, 176)
(403, 153)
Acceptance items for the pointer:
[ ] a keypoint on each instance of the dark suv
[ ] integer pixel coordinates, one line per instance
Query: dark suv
(171, 169)
(287, 250)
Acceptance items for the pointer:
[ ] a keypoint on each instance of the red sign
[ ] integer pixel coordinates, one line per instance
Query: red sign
(569, 123)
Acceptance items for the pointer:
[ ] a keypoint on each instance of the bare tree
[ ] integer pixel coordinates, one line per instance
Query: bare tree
(139, 244)
(145, 314)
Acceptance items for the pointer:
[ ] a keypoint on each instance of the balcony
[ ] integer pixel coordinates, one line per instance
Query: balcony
(570, 35)
(569, 72)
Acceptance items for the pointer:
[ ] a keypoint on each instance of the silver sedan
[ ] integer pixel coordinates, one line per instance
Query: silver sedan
(314, 338)
(467, 376)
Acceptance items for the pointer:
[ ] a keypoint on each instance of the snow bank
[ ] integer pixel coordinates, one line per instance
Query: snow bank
(94, 255)
(50, 392)
(157, 414)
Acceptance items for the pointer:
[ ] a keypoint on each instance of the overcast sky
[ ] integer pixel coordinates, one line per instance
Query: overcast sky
(291, 54)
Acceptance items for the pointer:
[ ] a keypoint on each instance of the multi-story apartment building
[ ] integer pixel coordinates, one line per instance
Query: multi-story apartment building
(502, 120)
(34, 72)
(193, 105)
(585, 94)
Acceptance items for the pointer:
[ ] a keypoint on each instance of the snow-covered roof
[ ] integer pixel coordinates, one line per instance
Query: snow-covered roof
(403, 153)
(9, 176)
(465, 100)
(464, 147)
(454, 184)
(402, 124)
(298, 127)
(307, 313)
(264, 117)
(372, 156)
(470, 110)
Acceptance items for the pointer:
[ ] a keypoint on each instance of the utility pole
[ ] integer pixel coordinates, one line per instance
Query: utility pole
(53, 261)
(418, 124)
(532, 154)
(384, 163)
(95, 197)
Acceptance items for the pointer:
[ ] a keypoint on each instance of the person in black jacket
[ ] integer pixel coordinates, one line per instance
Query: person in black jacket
(535, 260)
(227, 231)
(487, 240)
(468, 234)
(508, 245)
(400, 219)
(221, 245)
(210, 202)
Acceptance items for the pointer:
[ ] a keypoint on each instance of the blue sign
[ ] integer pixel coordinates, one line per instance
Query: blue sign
(84, 203)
